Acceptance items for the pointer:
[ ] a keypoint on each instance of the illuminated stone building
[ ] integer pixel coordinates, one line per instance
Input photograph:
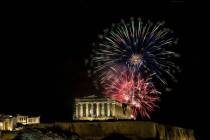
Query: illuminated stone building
(99, 108)
(27, 120)
(7, 122)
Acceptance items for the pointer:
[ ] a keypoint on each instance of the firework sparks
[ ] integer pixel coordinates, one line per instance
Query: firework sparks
(138, 93)
(126, 55)
(142, 47)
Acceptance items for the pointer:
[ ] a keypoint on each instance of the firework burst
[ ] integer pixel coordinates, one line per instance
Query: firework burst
(145, 48)
(128, 56)
(129, 89)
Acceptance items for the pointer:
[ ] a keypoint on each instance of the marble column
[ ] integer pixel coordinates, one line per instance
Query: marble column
(87, 111)
(113, 108)
(91, 109)
(108, 109)
(76, 110)
(97, 109)
(102, 110)
(81, 110)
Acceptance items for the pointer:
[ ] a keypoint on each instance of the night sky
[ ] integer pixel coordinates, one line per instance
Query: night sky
(43, 63)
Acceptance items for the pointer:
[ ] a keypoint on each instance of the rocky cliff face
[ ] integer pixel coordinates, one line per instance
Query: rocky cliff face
(122, 130)
(130, 130)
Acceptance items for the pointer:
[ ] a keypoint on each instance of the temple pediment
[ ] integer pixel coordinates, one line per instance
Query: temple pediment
(91, 96)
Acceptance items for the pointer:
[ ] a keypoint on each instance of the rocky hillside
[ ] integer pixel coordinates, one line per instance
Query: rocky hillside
(123, 130)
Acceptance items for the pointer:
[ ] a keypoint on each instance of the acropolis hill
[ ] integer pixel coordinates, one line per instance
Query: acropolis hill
(97, 118)
(132, 130)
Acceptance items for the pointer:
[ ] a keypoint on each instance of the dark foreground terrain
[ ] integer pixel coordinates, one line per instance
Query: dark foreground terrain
(123, 130)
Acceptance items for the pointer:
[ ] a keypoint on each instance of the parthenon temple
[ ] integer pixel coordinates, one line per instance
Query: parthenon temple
(99, 108)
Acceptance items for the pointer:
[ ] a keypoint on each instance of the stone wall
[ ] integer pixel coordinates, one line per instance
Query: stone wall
(133, 130)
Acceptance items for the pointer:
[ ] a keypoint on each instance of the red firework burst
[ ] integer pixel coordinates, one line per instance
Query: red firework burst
(126, 88)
